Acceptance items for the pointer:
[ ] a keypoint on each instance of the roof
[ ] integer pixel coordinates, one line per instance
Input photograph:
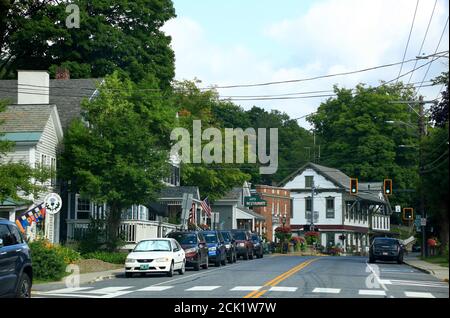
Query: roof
(177, 192)
(253, 214)
(25, 118)
(233, 194)
(333, 174)
(65, 94)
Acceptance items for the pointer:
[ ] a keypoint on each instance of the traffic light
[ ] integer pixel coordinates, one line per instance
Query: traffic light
(353, 186)
(408, 214)
(387, 188)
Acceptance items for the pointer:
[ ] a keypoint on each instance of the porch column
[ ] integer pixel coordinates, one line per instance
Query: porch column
(12, 215)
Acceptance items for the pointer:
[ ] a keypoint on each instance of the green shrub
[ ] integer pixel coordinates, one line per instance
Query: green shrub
(48, 263)
(109, 257)
(68, 254)
(92, 239)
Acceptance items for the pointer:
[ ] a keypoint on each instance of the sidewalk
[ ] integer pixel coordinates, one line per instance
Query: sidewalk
(86, 278)
(437, 271)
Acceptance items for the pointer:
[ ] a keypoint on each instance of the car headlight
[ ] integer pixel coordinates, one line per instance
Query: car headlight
(130, 260)
(241, 244)
(228, 245)
(162, 259)
(190, 250)
(212, 248)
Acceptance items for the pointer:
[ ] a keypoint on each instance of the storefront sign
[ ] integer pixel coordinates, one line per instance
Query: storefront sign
(254, 200)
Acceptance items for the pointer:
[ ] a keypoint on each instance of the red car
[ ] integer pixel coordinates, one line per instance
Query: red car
(244, 244)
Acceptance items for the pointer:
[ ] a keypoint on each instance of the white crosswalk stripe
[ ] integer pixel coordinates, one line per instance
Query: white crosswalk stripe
(414, 283)
(203, 288)
(246, 288)
(372, 292)
(67, 290)
(109, 290)
(155, 288)
(419, 295)
(327, 290)
(283, 289)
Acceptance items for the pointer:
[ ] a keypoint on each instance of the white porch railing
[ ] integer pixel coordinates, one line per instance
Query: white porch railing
(132, 231)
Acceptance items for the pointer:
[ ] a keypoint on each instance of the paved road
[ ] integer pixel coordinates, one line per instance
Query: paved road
(273, 277)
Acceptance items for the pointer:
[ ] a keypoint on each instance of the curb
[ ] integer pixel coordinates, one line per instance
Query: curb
(106, 277)
(427, 271)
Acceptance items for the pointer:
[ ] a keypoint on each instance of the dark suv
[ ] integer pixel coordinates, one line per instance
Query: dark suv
(217, 252)
(257, 245)
(194, 246)
(386, 249)
(16, 274)
(230, 245)
(244, 244)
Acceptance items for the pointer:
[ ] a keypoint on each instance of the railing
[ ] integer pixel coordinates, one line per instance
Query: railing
(131, 231)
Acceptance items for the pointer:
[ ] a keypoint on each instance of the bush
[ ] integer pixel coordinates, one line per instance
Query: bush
(92, 239)
(48, 262)
(109, 257)
(68, 254)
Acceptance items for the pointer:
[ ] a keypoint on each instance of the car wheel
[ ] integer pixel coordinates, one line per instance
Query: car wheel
(182, 270)
(217, 263)
(170, 272)
(197, 266)
(245, 256)
(261, 255)
(371, 260)
(128, 274)
(400, 260)
(206, 265)
(24, 287)
(235, 258)
(251, 255)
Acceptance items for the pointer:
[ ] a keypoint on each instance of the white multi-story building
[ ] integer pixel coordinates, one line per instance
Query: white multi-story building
(321, 197)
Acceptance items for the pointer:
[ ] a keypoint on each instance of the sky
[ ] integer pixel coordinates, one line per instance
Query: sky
(229, 42)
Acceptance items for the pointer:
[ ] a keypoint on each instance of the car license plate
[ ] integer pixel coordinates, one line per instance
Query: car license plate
(385, 253)
(144, 267)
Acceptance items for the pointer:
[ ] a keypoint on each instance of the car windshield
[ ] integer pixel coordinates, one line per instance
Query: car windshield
(240, 236)
(385, 242)
(226, 237)
(210, 237)
(153, 246)
(255, 238)
(184, 238)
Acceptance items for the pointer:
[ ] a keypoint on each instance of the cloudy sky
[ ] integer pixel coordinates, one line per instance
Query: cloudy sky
(229, 42)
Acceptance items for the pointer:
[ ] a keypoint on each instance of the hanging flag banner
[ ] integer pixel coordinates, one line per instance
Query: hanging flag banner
(26, 219)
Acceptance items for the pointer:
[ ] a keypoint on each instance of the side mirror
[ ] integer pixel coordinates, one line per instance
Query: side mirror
(1, 243)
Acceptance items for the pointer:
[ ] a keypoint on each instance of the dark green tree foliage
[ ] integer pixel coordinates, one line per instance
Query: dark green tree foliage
(439, 112)
(113, 35)
(216, 179)
(118, 154)
(358, 138)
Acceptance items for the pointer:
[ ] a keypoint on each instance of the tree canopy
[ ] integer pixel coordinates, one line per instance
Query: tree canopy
(113, 35)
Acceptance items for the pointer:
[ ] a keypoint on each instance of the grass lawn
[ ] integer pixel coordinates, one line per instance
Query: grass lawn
(439, 260)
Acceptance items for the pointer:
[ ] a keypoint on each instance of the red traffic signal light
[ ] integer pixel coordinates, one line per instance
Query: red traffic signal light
(353, 186)
(387, 187)
(408, 214)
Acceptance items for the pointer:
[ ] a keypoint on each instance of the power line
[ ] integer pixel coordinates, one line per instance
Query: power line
(432, 60)
(409, 37)
(424, 38)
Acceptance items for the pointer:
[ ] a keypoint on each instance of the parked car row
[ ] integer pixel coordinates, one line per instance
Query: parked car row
(194, 249)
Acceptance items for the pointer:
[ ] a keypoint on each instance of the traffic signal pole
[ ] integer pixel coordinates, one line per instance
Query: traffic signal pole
(423, 250)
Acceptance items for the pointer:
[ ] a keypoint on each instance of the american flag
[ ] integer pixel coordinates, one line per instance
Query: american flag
(206, 207)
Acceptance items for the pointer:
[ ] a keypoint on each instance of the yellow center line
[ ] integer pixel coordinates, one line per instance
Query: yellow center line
(275, 281)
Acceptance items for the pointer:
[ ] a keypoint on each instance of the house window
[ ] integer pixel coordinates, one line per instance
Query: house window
(308, 208)
(330, 208)
(291, 212)
(83, 209)
(309, 181)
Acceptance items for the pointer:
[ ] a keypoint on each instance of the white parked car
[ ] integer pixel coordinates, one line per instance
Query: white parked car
(161, 255)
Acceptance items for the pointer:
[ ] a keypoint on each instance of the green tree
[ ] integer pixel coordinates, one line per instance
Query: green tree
(215, 179)
(435, 174)
(113, 35)
(118, 153)
(363, 132)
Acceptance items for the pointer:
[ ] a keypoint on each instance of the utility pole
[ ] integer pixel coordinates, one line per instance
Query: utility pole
(421, 166)
(314, 136)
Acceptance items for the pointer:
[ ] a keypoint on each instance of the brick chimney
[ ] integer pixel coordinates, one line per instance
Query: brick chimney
(62, 73)
(32, 87)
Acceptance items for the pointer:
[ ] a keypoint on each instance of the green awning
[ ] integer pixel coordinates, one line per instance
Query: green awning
(22, 136)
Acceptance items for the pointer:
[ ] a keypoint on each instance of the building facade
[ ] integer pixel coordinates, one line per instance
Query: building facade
(278, 210)
(321, 199)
